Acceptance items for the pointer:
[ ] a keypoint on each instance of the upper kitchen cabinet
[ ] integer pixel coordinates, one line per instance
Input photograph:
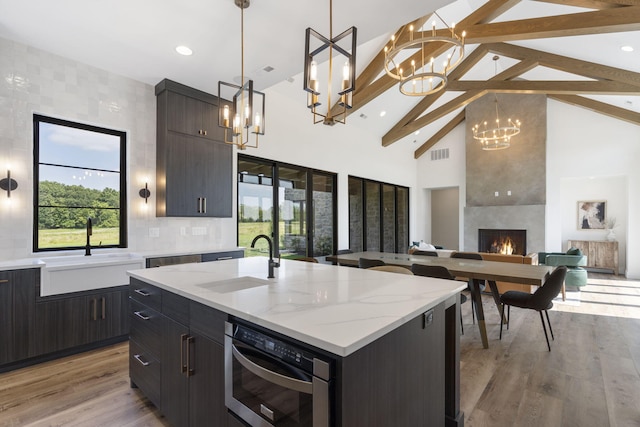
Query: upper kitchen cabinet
(193, 164)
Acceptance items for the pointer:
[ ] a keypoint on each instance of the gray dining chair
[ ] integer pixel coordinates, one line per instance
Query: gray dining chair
(424, 253)
(368, 263)
(438, 272)
(541, 300)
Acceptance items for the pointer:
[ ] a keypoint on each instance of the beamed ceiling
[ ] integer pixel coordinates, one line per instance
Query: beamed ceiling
(492, 37)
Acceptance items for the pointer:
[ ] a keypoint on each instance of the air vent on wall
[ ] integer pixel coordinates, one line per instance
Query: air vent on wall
(440, 154)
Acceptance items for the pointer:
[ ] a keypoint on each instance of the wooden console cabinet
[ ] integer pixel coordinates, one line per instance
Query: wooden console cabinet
(600, 254)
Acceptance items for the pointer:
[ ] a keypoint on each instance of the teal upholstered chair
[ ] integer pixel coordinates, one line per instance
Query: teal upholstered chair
(574, 260)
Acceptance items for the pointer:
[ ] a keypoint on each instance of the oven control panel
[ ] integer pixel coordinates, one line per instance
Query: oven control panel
(282, 350)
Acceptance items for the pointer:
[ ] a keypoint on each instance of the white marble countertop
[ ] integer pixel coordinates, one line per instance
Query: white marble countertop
(18, 264)
(338, 309)
(39, 260)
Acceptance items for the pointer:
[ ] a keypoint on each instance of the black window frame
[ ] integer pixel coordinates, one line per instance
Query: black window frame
(310, 172)
(401, 247)
(123, 234)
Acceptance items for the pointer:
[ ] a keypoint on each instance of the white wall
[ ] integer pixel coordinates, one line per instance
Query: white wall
(37, 81)
(596, 159)
(444, 173)
(589, 156)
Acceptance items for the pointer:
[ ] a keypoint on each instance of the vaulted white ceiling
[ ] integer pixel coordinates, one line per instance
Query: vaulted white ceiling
(137, 38)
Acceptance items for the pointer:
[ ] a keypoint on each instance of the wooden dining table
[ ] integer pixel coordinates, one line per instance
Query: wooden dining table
(475, 270)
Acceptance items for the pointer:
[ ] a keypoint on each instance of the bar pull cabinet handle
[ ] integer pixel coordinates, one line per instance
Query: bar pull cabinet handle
(4, 281)
(141, 315)
(142, 292)
(190, 370)
(183, 365)
(204, 205)
(199, 209)
(139, 359)
(103, 303)
(222, 258)
(204, 132)
(94, 309)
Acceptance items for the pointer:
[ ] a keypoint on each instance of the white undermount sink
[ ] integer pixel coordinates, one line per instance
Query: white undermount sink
(73, 273)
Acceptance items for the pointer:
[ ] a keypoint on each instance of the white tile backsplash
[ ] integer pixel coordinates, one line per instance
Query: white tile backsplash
(32, 80)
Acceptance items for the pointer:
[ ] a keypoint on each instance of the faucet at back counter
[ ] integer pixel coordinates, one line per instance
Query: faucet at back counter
(87, 248)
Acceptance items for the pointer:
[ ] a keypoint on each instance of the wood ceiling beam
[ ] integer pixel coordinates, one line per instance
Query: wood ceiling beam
(563, 63)
(599, 107)
(400, 131)
(376, 66)
(459, 118)
(485, 13)
(593, 4)
(595, 22)
(548, 87)
(443, 110)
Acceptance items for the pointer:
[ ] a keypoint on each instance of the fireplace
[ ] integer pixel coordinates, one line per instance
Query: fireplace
(509, 242)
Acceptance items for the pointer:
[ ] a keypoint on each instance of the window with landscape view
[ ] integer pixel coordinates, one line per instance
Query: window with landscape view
(79, 173)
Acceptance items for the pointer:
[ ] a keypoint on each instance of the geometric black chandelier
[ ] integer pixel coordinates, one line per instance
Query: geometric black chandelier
(314, 73)
(244, 115)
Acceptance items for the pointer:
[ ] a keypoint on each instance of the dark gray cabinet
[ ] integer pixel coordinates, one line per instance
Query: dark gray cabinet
(193, 164)
(67, 321)
(35, 328)
(177, 357)
(145, 339)
(221, 256)
(193, 115)
(17, 307)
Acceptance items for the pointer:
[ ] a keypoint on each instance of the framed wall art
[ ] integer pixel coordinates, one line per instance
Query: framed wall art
(592, 215)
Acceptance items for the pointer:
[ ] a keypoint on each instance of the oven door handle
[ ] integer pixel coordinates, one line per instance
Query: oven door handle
(273, 377)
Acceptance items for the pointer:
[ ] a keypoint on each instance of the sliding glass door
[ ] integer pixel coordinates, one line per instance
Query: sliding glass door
(378, 216)
(255, 204)
(292, 208)
(305, 214)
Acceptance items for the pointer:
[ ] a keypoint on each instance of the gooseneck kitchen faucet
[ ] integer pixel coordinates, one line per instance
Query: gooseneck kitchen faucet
(272, 263)
(87, 248)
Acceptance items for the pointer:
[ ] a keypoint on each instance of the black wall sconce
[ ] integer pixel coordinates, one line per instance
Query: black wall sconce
(144, 192)
(8, 184)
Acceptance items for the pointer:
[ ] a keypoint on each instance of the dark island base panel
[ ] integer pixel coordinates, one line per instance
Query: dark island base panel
(367, 382)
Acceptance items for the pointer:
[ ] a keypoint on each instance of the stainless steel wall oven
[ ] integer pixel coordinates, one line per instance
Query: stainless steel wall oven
(272, 382)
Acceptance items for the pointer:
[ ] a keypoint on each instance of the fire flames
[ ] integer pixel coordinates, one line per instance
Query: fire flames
(504, 246)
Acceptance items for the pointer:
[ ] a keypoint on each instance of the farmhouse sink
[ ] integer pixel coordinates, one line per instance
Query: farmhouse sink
(74, 273)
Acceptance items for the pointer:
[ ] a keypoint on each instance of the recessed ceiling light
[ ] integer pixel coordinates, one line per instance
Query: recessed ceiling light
(183, 50)
(627, 48)
(382, 113)
(416, 132)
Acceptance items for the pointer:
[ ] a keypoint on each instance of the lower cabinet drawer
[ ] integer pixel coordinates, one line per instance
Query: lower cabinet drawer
(146, 327)
(144, 371)
(145, 293)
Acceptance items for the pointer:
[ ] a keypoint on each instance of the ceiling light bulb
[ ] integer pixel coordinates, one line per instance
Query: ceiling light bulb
(417, 132)
(183, 50)
(382, 113)
(627, 48)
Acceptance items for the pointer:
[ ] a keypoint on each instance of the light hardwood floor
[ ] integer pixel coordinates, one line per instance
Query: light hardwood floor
(590, 377)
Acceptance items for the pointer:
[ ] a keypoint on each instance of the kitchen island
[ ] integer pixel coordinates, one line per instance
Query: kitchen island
(392, 339)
